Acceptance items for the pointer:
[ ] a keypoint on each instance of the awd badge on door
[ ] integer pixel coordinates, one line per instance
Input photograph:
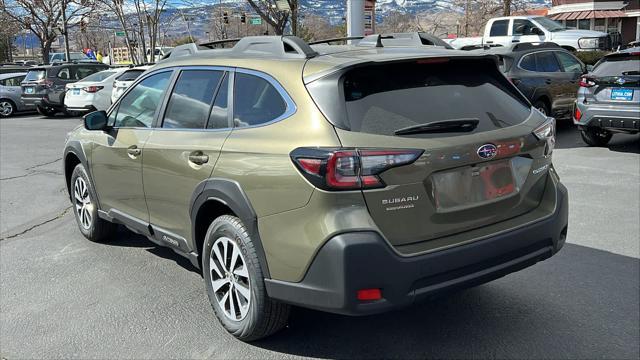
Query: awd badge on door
(487, 151)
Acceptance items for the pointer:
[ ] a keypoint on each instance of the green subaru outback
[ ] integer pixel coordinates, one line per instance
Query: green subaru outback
(350, 179)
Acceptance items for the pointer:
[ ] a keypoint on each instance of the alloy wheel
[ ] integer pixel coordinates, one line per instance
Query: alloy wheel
(230, 278)
(6, 108)
(84, 207)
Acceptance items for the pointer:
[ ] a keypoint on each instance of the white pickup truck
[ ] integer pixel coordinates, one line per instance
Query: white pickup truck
(507, 31)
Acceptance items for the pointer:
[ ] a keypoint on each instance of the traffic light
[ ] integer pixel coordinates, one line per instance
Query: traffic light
(225, 17)
(243, 18)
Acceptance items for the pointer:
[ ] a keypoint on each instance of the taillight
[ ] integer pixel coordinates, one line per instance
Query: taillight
(547, 132)
(577, 114)
(349, 169)
(92, 89)
(587, 82)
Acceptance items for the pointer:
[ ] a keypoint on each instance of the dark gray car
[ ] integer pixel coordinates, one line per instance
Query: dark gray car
(609, 98)
(45, 86)
(10, 101)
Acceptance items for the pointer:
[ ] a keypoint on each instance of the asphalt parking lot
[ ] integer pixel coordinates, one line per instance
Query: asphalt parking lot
(64, 297)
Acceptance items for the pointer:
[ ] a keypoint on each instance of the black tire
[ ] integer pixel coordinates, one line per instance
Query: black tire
(542, 106)
(7, 108)
(264, 315)
(45, 111)
(595, 136)
(99, 230)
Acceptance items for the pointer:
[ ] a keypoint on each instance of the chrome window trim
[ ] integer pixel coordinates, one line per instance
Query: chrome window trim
(290, 110)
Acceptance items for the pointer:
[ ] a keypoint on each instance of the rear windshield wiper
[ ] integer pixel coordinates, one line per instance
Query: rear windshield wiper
(633, 72)
(444, 126)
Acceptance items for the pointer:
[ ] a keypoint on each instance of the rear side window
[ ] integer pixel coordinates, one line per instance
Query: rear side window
(416, 93)
(522, 27)
(14, 81)
(499, 28)
(130, 75)
(35, 75)
(617, 65)
(256, 101)
(191, 99)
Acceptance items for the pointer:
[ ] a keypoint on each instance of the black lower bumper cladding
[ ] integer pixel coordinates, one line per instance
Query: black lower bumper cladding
(363, 260)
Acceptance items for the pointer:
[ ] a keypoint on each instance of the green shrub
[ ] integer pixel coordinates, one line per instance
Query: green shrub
(590, 57)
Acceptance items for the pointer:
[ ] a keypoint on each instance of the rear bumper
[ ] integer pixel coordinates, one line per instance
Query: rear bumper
(615, 118)
(362, 260)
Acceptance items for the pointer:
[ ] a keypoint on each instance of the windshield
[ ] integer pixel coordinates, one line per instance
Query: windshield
(99, 76)
(35, 75)
(549, 24)
(78, 56)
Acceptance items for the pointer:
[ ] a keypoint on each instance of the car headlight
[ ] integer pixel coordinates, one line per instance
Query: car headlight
(588, 43)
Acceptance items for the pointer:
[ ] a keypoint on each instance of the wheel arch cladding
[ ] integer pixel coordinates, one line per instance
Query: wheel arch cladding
(215, 197)
(73, 155)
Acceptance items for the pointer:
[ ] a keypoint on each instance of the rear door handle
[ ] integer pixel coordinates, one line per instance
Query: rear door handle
(198, 158)
(515, 41)
(547, 81)
(134, 151)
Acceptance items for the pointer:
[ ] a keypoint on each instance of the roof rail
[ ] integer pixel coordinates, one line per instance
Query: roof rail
(280, 46)
(534, 45)
(326, 41)
(481, 47)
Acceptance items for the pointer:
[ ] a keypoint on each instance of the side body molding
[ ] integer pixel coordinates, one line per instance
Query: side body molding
(229, 193)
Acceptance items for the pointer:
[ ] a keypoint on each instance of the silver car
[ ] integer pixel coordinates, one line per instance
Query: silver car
(609, 98)
(10, 91)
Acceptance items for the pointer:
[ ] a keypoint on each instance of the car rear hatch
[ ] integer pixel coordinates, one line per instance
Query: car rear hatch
(614, 81)
(35, 83)
(443, 145)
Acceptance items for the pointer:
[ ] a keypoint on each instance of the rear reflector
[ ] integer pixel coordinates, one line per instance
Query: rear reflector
(587, 82)
(369, 294)
(577, 114)
(92, 89)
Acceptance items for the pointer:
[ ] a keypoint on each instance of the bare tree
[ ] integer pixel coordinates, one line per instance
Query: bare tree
(315, 27)
(399, 22)
(117, 7)
(276, 17)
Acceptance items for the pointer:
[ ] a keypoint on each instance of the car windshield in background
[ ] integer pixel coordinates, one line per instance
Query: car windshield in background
(549, 24)
(417, 93)
(617, 65)
(78, 56)
(99, 76)
(35, 75)
(130, 75)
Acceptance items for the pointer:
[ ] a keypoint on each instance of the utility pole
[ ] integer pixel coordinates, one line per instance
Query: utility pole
(355, 18)
(466, 18)
(65, 31)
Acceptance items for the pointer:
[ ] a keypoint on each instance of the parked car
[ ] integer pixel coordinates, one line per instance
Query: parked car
(44, 86)
(547, 75)
(122, 82)
(61, 57)
(160, 52)
(13, 68)
(322, 183)
(91, 93)
(609, 98)
(10, 101)
(26, 62)
(506, 31)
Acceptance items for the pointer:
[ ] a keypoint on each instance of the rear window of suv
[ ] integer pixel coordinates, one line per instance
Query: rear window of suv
(35, 75)
(616, 65)
(130, 75)
(421, 92)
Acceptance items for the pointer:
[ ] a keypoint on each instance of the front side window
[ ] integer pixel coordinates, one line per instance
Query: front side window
(138, 107)
(14, 81)
(499, 28)
(256, 101)
(64, 74)
(546, 62)
(191, 99)
(569, 63)
(522, 27)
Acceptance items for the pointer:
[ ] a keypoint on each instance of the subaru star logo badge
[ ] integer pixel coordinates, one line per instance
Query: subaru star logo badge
(487, 151)
(621, 81)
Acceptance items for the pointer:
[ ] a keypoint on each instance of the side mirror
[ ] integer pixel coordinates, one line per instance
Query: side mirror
(96, 120)
(537, 31)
